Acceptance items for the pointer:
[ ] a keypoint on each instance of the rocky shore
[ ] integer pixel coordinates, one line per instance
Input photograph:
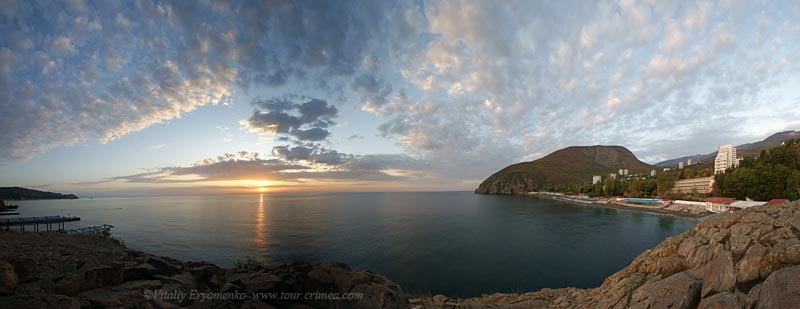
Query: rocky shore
(746, 259)
(53, 270)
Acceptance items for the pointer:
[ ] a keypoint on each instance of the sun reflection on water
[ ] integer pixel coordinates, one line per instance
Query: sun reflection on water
(261, 228)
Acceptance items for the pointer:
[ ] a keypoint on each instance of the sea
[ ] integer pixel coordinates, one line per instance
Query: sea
(455, 243)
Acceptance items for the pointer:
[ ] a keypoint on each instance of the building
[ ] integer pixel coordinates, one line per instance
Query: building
(596, 179)
(739, 205)
(666, 169)
(726, 158)
(776, 201)
(680, 165)
(719, 204)
(621, 171)
(612, 175)
(688, 161)
(652, 173)
(702, 185)
(625, 171)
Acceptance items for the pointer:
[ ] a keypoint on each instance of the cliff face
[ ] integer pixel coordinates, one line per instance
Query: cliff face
(566, 166)
(746, 259)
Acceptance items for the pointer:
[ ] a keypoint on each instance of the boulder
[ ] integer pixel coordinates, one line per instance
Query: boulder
(677, 291)
(260, 282)
(750, 265)
(138, 272)
(54, 301)
(780, 290)
(719, 275)
(8, 278)
(791, 255)
(164, 266)
(128, 294)
(724, 300)
(91, 278)
(206, 272)
(739, 243)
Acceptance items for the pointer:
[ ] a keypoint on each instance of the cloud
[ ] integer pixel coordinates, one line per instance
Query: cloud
(465, 86)
(634, 73)
(306, 121)
(296, 164)
(96, 71)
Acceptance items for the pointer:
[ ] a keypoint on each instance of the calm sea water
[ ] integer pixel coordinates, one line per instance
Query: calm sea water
(456, 243)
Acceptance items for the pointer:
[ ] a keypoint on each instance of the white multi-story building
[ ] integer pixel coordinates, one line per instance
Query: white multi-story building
(726, 158)
(688, 161)
(596, 179)
(680, 165)
(652, 173)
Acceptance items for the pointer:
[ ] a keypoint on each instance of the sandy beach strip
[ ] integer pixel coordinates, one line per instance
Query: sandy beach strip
(625, 206)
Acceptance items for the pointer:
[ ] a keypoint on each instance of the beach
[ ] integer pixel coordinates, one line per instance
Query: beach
(611, 204)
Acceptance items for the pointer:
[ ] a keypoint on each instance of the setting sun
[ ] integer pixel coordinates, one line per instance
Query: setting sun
(262, 189)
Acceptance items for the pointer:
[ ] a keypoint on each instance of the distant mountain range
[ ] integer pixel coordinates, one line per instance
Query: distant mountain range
(741, 150)
(569, 165)
(17, 193)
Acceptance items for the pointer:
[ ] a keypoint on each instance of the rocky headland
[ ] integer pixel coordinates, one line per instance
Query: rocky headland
(17, 193)
(570, 165)
(745, 259)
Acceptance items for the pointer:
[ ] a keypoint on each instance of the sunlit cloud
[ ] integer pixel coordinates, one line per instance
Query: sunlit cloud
(462, 87)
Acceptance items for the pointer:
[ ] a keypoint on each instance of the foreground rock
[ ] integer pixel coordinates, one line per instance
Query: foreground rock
(52, 270)
(746, 259)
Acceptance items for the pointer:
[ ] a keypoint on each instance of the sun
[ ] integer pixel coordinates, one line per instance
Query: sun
(262, 189)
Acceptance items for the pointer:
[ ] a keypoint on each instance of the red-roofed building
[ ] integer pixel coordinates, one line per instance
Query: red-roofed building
(776, 201)
(719, 204)
(721, 200)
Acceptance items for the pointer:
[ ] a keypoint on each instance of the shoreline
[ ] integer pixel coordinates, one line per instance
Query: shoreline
(622, 206)
(56, 270)
(50, 269)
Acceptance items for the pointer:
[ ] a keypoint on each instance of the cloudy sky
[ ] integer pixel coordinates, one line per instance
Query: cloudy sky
(192, 97)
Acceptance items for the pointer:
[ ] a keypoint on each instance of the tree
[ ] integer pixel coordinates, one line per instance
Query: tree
(664, 183)
(774, 174)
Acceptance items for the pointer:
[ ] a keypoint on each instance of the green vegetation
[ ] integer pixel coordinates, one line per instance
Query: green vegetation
(773, 174)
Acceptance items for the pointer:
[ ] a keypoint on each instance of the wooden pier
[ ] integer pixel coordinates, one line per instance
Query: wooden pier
(48, 222)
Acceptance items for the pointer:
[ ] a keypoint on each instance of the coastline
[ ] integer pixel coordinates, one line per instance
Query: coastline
(749, 258)
(629, 207)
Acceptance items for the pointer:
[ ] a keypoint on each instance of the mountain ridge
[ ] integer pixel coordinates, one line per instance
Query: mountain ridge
(743, 149)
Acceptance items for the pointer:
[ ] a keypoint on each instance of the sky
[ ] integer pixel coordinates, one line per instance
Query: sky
(108, 98)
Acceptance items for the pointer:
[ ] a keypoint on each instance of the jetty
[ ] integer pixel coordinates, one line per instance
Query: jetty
(47, 222)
